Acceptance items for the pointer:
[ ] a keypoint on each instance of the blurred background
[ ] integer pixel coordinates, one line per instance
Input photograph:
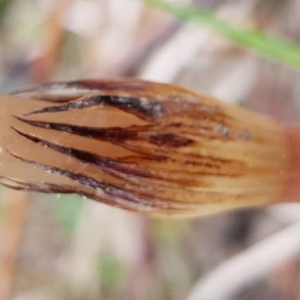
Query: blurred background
(66, 247)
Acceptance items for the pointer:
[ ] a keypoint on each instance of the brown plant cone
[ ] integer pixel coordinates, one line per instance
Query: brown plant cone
(158, 149)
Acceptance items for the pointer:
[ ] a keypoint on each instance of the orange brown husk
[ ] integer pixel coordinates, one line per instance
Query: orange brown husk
(154, 148)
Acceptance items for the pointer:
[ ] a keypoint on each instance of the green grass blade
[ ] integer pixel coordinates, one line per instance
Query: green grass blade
(278, 50)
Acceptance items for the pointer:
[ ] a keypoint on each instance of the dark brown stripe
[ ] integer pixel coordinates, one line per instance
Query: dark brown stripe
(81, 155)
(117, 135)
(170, 140)
(145, 108)
(121, 168)
(114, 191)
(110, 85)
(109, 134)
(107, 188)
(41, 187)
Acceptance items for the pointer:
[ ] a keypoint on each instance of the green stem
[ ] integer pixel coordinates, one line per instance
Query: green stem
(274, 49)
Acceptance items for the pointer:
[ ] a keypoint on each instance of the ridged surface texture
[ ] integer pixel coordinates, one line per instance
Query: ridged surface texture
(158, 149)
